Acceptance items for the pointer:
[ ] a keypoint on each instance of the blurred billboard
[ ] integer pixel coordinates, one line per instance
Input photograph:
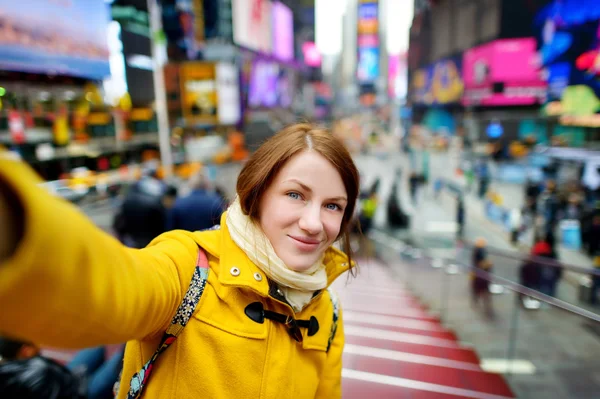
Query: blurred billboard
(283, 32)
(503, 72)
(252, 24)
(56, 37)
(367, 70)
(439, 83)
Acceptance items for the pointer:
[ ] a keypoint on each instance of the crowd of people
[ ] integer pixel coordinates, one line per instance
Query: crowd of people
(151, 207)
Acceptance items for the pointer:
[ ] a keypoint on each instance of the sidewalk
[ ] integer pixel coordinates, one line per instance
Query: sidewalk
(513, 196)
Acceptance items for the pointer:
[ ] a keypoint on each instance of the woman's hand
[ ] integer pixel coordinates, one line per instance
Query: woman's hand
(11, 222)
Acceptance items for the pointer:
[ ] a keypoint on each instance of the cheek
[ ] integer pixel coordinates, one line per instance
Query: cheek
(275, 215)
(332, 225)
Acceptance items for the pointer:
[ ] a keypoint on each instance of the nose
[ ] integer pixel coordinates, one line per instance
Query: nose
(310, 221)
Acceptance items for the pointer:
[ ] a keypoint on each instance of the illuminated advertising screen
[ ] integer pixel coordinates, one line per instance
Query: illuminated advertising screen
(55, 37)
(368, 64)
(312, 56)
(397, 76)
(283, 32)
(439, 83)
(252, 24)
(503, 72)
(270, 85)
(568, 35)
(367, 70)
(198, 82)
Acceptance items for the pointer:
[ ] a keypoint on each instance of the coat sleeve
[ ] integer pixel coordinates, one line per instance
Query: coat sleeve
(330, 386)
(70, 284)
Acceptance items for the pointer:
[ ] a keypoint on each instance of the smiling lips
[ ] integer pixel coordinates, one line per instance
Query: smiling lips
(304, 243)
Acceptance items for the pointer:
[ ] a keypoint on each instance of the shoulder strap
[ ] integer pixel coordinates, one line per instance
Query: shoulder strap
(336, 313)
(182, 316)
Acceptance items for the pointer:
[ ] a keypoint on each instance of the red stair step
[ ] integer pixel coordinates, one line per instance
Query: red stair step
(459, 353)
(444, 334)
(479, 381)
(411, 313)
(357, 389)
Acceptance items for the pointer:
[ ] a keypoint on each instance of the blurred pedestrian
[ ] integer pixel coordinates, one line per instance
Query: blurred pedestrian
(549, 206)
(549, 269)
(143, 215)
(201, 209)
(438, 185)
(532, 192)
(516, 224)
(483, 173)
(397, 218)
(529, 275)
(25, 373)
(460, 217)
(593, 235)
(595, 280)
(553, 257)
(480, 285)
(367, 209)
(414, 181)
(34, 377)
(170, 196)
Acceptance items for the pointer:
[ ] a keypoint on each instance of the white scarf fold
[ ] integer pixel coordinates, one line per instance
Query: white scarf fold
(297, 287)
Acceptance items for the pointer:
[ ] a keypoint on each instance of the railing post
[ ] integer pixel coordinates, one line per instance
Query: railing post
(445, 294)
(512, 337)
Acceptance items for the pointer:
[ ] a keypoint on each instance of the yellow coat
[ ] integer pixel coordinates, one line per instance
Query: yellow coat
(69, 284)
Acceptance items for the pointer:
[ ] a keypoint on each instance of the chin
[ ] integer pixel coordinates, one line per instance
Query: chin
(300, 265)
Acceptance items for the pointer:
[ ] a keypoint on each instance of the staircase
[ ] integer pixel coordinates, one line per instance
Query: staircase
(396, 349)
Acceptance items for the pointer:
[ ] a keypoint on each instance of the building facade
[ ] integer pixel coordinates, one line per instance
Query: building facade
(445, 36)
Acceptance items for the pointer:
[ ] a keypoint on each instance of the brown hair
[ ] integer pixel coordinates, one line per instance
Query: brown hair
(273, 154)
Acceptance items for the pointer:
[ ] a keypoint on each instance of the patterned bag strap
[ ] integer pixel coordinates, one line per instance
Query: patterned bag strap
(184, 312)
(336, 313)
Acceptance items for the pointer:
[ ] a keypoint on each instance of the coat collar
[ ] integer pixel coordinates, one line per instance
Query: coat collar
(219, 244)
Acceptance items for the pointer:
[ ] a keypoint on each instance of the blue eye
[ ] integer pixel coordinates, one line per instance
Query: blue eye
(293, 195)
(333, 207)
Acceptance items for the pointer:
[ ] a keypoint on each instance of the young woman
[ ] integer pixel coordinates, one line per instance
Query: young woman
(265, 325)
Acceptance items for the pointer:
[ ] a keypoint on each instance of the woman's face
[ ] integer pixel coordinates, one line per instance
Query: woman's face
(302, 210)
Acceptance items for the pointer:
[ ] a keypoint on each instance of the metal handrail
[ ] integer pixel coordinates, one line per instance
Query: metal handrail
(511, 285)
(538, 259)
(518, 288)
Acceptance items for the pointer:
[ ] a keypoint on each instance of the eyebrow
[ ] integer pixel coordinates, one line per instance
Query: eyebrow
(306, 188)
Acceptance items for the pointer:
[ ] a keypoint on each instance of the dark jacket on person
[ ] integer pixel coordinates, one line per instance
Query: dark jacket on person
(142, 217)
(39, 378)
(200, 210)
(460, 213)
(530, 274)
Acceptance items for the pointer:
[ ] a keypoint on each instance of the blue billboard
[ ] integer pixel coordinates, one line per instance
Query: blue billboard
(55, 37)
(568, 34)
(368, 64)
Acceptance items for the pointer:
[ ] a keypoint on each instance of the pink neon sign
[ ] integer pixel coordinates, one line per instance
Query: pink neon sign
(503, 72)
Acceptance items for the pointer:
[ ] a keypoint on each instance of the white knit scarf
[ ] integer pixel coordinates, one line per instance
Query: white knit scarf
(297, 287)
